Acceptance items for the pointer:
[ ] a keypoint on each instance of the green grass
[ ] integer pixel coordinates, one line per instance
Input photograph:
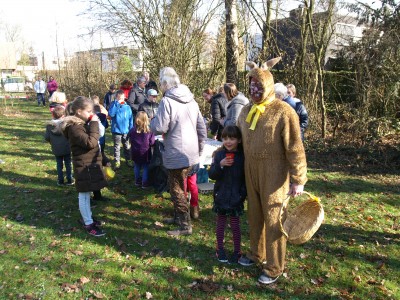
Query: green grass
(354, 255)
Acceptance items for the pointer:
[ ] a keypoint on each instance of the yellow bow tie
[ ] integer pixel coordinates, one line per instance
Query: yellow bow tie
(256, 110)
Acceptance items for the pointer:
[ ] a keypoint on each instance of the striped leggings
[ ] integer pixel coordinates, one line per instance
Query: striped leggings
(235, 227)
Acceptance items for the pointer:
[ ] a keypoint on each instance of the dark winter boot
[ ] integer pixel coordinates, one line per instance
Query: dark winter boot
(173, 220)
(194, 212)
(185, 228)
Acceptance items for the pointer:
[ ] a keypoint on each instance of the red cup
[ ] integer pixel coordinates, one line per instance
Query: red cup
(230, 155)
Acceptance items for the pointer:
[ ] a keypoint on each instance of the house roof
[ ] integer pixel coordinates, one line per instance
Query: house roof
(8, 60)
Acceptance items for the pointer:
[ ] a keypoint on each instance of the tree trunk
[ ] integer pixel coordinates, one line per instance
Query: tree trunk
(232, 42)
(266, 33)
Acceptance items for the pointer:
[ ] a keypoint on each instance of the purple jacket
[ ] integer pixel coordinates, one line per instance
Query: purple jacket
(141, 145)
(52, 85)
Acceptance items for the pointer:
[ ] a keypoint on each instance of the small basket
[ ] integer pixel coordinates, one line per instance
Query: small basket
(302, 222)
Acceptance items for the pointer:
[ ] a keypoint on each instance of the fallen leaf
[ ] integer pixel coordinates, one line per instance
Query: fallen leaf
(380, 265)
(159, 224)
(84, 280)
(70, 288)
(373, 281)
(121, 245)
(174, 269)
(190, 285)
(97, 295)
(149, 295)
(54, 244)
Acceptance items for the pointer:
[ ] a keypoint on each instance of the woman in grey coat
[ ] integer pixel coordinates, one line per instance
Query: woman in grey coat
(180, 121)
(236, 101)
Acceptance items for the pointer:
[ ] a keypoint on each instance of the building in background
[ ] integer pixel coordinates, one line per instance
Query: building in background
(113, 58)
(287, 33)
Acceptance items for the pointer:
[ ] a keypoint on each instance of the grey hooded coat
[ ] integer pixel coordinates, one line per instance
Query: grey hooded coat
(180, 121)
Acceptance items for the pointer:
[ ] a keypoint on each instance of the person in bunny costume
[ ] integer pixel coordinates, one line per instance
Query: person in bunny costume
(275, 166)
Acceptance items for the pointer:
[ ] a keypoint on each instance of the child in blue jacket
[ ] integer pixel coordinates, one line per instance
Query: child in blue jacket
(121, 123)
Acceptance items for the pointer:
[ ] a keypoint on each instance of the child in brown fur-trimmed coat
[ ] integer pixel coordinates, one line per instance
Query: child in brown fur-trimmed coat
(82, 131)
(275, 166)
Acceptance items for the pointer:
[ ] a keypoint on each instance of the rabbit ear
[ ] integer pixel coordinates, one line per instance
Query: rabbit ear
(269, 64)
(251, 64)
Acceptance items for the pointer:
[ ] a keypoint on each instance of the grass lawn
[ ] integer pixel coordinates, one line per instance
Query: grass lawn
(45, 254)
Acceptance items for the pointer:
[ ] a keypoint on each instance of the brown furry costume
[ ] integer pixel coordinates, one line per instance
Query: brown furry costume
(274, 157)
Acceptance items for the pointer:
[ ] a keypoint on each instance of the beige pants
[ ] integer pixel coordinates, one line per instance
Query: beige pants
(266, 192)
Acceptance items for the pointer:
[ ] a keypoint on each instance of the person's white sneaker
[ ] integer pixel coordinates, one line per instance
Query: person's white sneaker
(245, 261)
(265, 279)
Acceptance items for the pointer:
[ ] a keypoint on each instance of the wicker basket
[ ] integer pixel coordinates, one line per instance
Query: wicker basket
(302, 222)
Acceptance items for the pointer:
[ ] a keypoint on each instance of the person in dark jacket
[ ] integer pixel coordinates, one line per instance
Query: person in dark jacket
(110, 96)
(227, 169)
(150, 84)
(218, 111)
(299, 108)
(103, 120)
(150, 105)
(82, 131)
(137, 95)
(59, 145)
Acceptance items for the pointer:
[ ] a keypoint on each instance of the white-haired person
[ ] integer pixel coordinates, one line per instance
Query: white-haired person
(280, 91)
(180, 121)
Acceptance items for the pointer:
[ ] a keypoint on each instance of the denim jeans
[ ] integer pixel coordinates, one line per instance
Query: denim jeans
(61, 160)
(118, 139)
(40, 98)
(84, 207)
(145, 176)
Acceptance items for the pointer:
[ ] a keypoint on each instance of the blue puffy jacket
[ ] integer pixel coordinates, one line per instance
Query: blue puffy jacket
(121, 117)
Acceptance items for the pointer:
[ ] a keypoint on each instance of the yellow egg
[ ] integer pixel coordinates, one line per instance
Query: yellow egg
(109, 172)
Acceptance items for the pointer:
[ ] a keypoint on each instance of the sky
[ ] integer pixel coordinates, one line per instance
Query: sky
(41, 21)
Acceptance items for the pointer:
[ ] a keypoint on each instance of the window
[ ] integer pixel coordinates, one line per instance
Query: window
(344, 34)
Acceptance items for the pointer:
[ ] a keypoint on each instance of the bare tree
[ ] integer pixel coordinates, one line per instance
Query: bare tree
(320, 35)
(12, 32)
(232, 41)
(168, 32)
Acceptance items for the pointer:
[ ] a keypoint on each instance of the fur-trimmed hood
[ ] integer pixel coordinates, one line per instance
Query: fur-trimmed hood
(56, 126)
(68, 121)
